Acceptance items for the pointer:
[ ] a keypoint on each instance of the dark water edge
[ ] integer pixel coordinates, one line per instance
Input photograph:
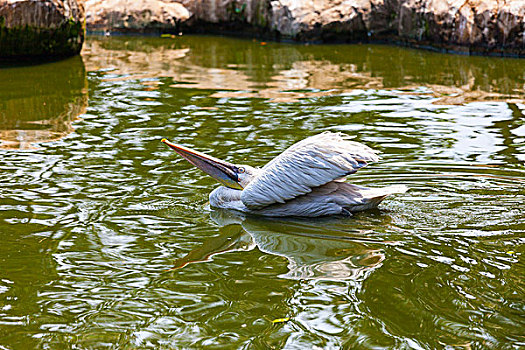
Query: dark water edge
(239, 32)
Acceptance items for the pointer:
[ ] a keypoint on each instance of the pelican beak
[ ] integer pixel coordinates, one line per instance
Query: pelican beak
(224, 172)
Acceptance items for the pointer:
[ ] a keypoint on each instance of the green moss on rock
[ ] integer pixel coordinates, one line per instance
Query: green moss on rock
(28, 41)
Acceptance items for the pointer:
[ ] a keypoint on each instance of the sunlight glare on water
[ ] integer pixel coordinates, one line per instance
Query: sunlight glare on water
(108, 240)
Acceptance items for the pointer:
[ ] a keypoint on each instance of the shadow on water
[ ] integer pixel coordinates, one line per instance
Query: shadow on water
(41, 106)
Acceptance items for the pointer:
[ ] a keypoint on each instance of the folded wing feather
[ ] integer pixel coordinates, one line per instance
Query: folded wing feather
(310, 163)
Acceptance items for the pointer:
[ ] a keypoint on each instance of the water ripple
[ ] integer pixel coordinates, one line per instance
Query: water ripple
(109, 241)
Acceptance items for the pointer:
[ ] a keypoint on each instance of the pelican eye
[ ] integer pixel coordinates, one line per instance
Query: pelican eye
(241, 170)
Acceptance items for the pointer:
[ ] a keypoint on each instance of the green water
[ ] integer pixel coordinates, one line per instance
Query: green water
(108, 242)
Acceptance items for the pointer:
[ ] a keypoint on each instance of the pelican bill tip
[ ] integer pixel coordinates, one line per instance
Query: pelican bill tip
(164, 140)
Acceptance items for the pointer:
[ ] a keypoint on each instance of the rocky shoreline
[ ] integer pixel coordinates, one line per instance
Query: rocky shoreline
(57, 27)
(487, 27)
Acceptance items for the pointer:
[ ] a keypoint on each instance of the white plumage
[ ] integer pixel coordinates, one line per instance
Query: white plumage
(307, 179)
(308, 164)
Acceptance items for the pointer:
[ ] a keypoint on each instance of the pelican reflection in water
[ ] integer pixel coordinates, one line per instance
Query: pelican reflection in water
(305, 180)
(320, 249)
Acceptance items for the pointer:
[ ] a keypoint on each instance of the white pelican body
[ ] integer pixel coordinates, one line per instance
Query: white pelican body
(307, 179)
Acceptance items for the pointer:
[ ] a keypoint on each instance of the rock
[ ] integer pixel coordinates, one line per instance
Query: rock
(134, 15)
(245, 14)
(321, 21)
(41, 28)
(470, 26)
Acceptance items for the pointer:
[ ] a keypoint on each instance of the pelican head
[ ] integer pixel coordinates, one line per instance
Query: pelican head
(230, 175)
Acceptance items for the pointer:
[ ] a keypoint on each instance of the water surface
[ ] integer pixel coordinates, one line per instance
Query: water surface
(108, 241)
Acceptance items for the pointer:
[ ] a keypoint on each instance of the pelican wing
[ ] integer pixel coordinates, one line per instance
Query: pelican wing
(310, 163)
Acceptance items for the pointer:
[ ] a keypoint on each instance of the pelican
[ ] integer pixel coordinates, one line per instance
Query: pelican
(306, 180)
